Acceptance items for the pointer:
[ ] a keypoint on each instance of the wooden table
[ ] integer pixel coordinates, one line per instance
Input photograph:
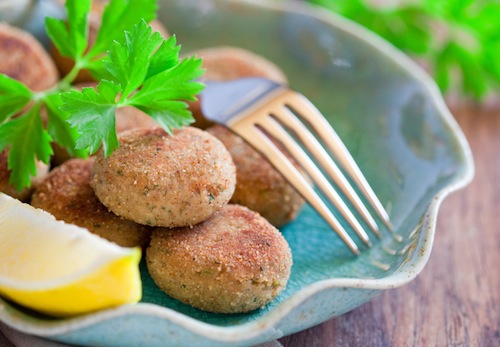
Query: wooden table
(455, 301)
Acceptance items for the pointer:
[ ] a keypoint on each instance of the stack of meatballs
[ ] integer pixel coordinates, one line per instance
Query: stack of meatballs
(202, 203)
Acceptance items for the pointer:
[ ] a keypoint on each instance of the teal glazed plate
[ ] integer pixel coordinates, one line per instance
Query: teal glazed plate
(394, 121)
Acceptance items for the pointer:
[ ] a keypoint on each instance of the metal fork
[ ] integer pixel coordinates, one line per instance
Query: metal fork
(262, 112)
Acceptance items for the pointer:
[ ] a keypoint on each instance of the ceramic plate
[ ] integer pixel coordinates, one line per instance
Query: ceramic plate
(391, 117)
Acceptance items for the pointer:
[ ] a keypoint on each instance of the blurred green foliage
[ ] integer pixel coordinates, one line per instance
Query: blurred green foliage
(459, 40)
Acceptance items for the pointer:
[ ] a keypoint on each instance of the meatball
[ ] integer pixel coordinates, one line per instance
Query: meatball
(24, 194)
(233, 262)
(165, 180)
(67, 194)
(225, 63)
(24, 59)
(259, 186)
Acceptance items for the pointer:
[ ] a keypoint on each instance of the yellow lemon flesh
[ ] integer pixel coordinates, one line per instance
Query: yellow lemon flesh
(62, 269)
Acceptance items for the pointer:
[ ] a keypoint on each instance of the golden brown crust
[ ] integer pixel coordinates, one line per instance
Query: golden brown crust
(233, 262)
(162, 180)
(225, 63)
(258, 185)
(67, 194)
(23, 58)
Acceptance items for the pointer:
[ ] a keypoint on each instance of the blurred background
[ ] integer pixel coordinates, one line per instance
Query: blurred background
(456, 41)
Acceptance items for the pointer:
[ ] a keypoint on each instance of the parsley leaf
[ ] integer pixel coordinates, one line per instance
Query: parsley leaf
(59, 128)
(166, 57)
(93, 113)
(14, 96)
(128, 60)
(148, 75)
(70, 37)
(162, 101)
(27, 139)
(118, 16)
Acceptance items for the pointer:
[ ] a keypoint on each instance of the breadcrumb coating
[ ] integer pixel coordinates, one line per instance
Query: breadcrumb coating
(233, 262)
(165, 180)
(67, 194)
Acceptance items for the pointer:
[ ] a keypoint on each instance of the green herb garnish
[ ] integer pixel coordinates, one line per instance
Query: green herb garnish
(458, 39)
(135, 68)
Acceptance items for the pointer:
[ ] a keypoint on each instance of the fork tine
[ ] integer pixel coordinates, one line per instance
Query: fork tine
(277, 132)
(242, 104)
(287, 118)
(306, 110)
(261, 143)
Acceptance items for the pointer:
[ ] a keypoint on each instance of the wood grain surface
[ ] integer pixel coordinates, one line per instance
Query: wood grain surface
(455, 301)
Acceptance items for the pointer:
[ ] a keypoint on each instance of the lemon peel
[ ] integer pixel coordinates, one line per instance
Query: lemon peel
(61, 269)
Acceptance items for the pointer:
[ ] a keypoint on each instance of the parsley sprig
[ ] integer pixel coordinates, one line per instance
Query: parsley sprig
(134, 67)
(458, 39)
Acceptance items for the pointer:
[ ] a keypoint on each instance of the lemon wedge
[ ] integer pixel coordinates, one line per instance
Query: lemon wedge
(62, 269)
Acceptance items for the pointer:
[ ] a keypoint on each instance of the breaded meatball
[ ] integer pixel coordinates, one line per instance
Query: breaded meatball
(5, 187)
(165, 180)
(259, 186)
(233, 262)
(24, 59)
(226, 63)
(67, 194)
(65, 64)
